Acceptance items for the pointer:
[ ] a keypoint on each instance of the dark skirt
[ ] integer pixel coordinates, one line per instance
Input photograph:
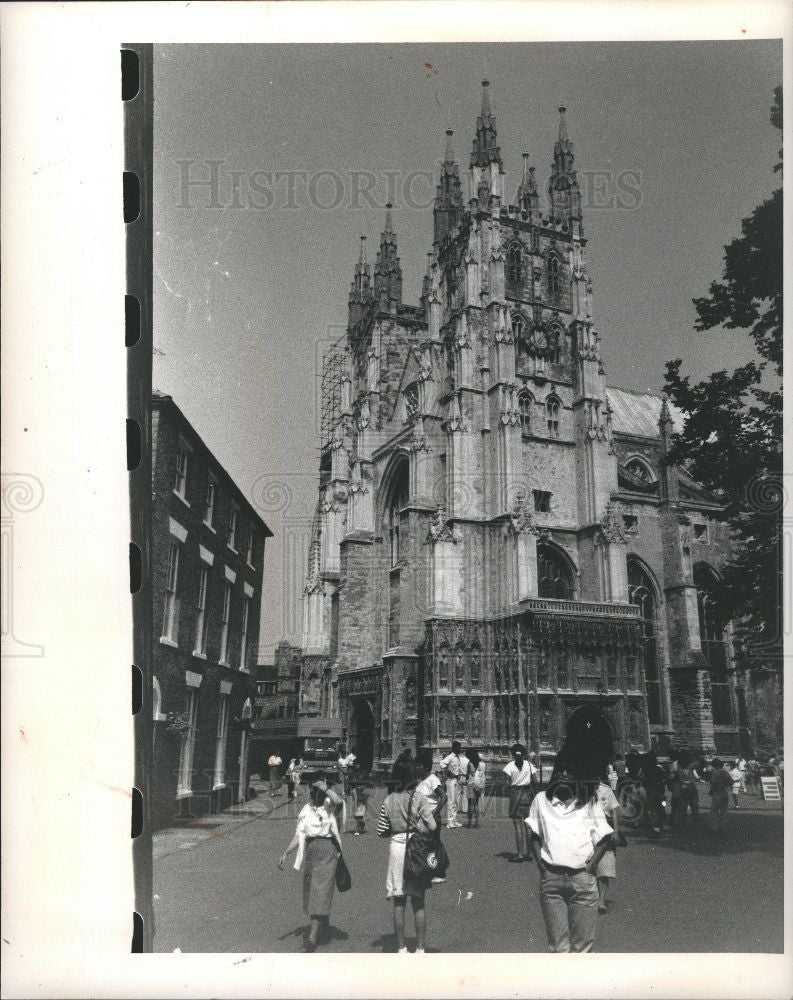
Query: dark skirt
(520, 799)
(319, 876)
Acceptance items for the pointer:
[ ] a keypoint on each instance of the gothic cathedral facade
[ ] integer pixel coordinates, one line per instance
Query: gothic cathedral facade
(500, 551)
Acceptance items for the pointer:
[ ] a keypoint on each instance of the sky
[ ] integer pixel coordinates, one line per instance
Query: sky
(302, 146)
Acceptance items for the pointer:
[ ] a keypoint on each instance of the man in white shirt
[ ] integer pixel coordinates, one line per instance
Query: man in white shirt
(451, 766)
(274, 765)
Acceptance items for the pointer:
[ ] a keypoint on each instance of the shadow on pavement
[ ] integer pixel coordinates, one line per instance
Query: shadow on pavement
(741, 835)
(332, 934)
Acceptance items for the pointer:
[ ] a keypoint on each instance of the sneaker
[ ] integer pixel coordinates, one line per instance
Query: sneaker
(357, 833)
(419, 951)
(437, 881)
(402, 951)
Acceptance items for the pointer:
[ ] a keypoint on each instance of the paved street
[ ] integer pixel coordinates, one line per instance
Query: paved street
(218, 888)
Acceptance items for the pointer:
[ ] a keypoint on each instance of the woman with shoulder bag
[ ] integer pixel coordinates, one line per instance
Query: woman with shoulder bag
(318, 852)
(403, 813)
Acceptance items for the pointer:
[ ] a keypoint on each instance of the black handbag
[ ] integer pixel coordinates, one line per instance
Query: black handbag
(343, 877)
(425, 856)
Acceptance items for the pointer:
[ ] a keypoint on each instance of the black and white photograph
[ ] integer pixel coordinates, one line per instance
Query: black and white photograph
(447, 528)
(466, 497)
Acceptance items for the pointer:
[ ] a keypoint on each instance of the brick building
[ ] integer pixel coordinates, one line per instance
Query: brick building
(501, 551)
(208, 561)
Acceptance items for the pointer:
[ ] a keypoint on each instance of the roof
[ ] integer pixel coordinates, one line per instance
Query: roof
(638, 413)
(161, 401)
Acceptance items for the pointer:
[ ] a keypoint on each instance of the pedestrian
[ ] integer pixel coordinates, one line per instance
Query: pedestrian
(569, 836)
(475, 786)
(684, 790)
(432, 788)
(344, 766)
(735, 774)
(522, 779)
(653, 778)
(720, 787)
(405, 811)
(753, 773)
(292, 778)
(318, 851)
(619, 767)
(450, 767)
(462, 785)
(274, 766)
(362, 790)
(607, 866)
(633, 764)
(612, 777)
(741, 765)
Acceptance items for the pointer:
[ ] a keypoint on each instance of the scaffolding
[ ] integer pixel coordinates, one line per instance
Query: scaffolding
(333, 371)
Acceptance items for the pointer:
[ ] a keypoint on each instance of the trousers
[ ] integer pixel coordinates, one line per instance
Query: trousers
(569, 903)
(452, 799)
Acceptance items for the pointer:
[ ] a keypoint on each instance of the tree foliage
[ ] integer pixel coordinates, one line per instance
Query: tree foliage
(732, 439)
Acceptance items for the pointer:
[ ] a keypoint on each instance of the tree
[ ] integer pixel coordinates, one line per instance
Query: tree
(732, 438)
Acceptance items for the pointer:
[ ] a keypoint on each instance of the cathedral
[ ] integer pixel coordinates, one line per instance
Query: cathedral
(501, 551)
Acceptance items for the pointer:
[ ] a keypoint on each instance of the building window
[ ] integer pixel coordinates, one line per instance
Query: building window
(542, 501)
(170, 628)
(517, 329)
(701, 533)
(224, 632)
(555, 580)
(411, 397)
(231, 539)
(524, 411)
(209, 504)
(180, 485)
(630, 522)
(399, 499)
(201, 618)
(640, 469)
(514, 262)
(184, 785)
(246, 604)
(220, 743)
(443, 667)
(553, 276)
(642, 593)
(712, 633)
(250, 550)
(552, 416)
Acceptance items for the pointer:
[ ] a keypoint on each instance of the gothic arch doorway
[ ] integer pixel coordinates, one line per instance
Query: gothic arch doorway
(590, 727)
(361, 735)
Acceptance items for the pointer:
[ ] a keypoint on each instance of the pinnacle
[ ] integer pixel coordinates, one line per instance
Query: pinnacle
(563, 137)
(449, 155)
(485, 99)
(362, 257)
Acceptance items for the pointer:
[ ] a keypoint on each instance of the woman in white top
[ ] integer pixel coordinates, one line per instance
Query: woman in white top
(569, 836)
(476, 785)
(522, 777)
(318, 850)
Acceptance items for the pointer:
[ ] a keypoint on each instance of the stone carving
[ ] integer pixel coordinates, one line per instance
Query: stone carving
(521, 516)
(611, 525)
(443, 722)
(439, 530)
(476, 720)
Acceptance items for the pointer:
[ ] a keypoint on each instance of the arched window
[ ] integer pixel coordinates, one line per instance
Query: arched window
(517, 329)
(639, 468)
(399, 499)
(553, 276)
(642, 593)
(712, 626)
(524, 409)
(514, 262)
(552, 409)
(555, 579)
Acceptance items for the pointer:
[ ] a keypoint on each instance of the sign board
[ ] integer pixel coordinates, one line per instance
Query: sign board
(319, 726)
(770, 789)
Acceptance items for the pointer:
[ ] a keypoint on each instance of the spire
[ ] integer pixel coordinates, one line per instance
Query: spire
(448, 194)
(360, 289)
(563, 191)
(527, 197)
(485, 149)
(387, 269)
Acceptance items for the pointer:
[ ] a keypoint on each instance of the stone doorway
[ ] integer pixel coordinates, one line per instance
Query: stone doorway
(590, 727)
(361, 735)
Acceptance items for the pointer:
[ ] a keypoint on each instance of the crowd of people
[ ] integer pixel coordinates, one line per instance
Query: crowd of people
(570, 827)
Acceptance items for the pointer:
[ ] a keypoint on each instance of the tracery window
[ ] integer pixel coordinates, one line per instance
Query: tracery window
(552, 409)
(553, 276)
(642, 593)
(640, 469)
(514, 262)
(712, 632)
(555, 345)
(555, 579)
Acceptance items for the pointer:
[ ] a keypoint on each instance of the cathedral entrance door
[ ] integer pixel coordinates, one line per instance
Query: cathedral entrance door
(588, 725)
(361, 740)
